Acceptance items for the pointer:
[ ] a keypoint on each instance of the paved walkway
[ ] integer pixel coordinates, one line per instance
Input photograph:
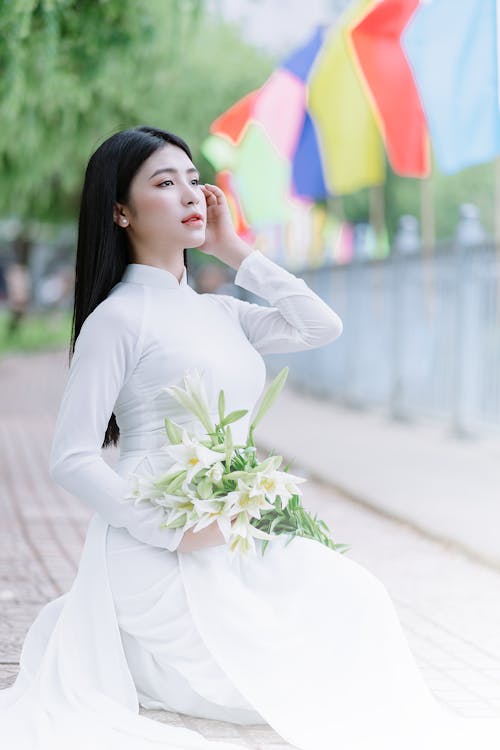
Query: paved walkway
(445, 487)
(447, 601)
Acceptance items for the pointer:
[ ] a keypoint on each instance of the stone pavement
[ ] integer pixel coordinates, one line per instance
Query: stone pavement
(449, 489)
(448, 603)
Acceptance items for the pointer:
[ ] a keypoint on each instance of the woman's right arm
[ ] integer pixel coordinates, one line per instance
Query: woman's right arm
(107, 350)
(210, 536)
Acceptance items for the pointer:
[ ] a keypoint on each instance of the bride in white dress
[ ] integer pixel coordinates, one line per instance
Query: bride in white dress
(302, 638)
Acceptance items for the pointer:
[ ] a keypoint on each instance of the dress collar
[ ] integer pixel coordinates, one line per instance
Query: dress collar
(142, 273)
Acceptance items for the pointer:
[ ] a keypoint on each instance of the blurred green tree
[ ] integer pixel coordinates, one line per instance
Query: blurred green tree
(75, 71)
(402, 196)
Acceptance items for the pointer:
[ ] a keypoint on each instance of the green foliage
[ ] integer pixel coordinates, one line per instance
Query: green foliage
(295, 520)
(402, 196)
(75, 72)
(473, 185)
(356, 206)
(38, 331)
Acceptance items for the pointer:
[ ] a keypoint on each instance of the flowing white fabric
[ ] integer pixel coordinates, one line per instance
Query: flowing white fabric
(302, 638)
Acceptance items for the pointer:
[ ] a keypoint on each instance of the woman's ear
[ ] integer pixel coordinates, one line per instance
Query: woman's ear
(119, 215)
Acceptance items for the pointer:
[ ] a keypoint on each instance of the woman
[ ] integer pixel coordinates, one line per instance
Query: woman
(302, 638)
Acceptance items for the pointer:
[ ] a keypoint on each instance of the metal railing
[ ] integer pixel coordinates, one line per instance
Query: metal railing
(421, 337)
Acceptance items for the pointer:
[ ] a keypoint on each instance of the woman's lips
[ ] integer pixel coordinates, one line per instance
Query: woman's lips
(193, 221)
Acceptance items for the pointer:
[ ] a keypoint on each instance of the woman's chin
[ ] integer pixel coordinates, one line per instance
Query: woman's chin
(198, 241)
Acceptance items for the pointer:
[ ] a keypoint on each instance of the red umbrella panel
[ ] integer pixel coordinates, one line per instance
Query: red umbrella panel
(376, 42)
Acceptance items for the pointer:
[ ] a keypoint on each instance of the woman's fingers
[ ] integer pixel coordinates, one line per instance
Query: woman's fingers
(216, 191)
(209, 195)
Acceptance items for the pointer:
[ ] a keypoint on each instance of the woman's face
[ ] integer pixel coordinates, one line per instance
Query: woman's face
(164, 191)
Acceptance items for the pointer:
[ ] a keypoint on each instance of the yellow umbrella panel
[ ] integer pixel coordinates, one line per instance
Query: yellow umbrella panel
(349, 140)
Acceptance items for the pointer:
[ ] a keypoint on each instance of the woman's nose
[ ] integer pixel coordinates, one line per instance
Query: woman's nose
(191, 194)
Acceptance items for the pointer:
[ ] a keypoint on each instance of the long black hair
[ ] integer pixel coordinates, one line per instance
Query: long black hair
(103, 248)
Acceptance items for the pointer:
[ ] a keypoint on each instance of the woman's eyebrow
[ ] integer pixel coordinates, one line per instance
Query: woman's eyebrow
(172, 169)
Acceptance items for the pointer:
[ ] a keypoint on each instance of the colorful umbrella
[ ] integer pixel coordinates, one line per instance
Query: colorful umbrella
(425, 82)
(385, 77)
(351, 146)
(268, 141)
(309, 132)
(383, 65)
(456, 74)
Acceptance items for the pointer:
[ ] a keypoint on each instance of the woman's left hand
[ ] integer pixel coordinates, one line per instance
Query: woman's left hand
(221, 238)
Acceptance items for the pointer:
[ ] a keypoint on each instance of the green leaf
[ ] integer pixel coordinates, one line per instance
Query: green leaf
(216, 447)
(204, 488)
(221, 405)
(174, 524)
(343, 547)
(229, 446)
(177, 484)
(269, 397)
(236, 474)
(295, 520)
(234, 416)
(168, 481)
(273, 523)
(271, 462)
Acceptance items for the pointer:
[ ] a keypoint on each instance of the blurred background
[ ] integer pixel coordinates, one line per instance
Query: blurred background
(358, 146)
(343, 155)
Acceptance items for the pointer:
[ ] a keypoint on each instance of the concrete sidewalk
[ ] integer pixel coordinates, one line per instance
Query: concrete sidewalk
(446, 488)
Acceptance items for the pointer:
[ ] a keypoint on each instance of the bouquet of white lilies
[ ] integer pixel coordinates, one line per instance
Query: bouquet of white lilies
(215, 480)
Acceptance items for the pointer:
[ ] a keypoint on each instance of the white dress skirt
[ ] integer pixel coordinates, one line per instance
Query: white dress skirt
(171, 665)
(302, 638)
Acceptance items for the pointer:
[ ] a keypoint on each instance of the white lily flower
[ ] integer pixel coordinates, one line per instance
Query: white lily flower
(166, 500)
(141, 487)
(193, 397)
(180, 507)
(212, 510)
(191, 456)
(249, 499)
(224, 522)
(243, 534)
(137, 488)
(187, 490)
(216, 472)
(274, 483)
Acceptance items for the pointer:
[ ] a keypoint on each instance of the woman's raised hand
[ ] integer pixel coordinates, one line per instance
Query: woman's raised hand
(221, 239)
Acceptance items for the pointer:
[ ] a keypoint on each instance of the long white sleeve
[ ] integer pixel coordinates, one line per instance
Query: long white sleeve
(297, 319)
(106, 352)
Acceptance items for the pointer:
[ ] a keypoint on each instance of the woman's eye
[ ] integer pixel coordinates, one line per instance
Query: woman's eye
(195, 179)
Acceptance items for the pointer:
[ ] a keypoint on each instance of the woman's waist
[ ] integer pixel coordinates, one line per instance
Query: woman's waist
(144, 453)
(146, 462)
(152, 442)
(136, 442)
(151, 434)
